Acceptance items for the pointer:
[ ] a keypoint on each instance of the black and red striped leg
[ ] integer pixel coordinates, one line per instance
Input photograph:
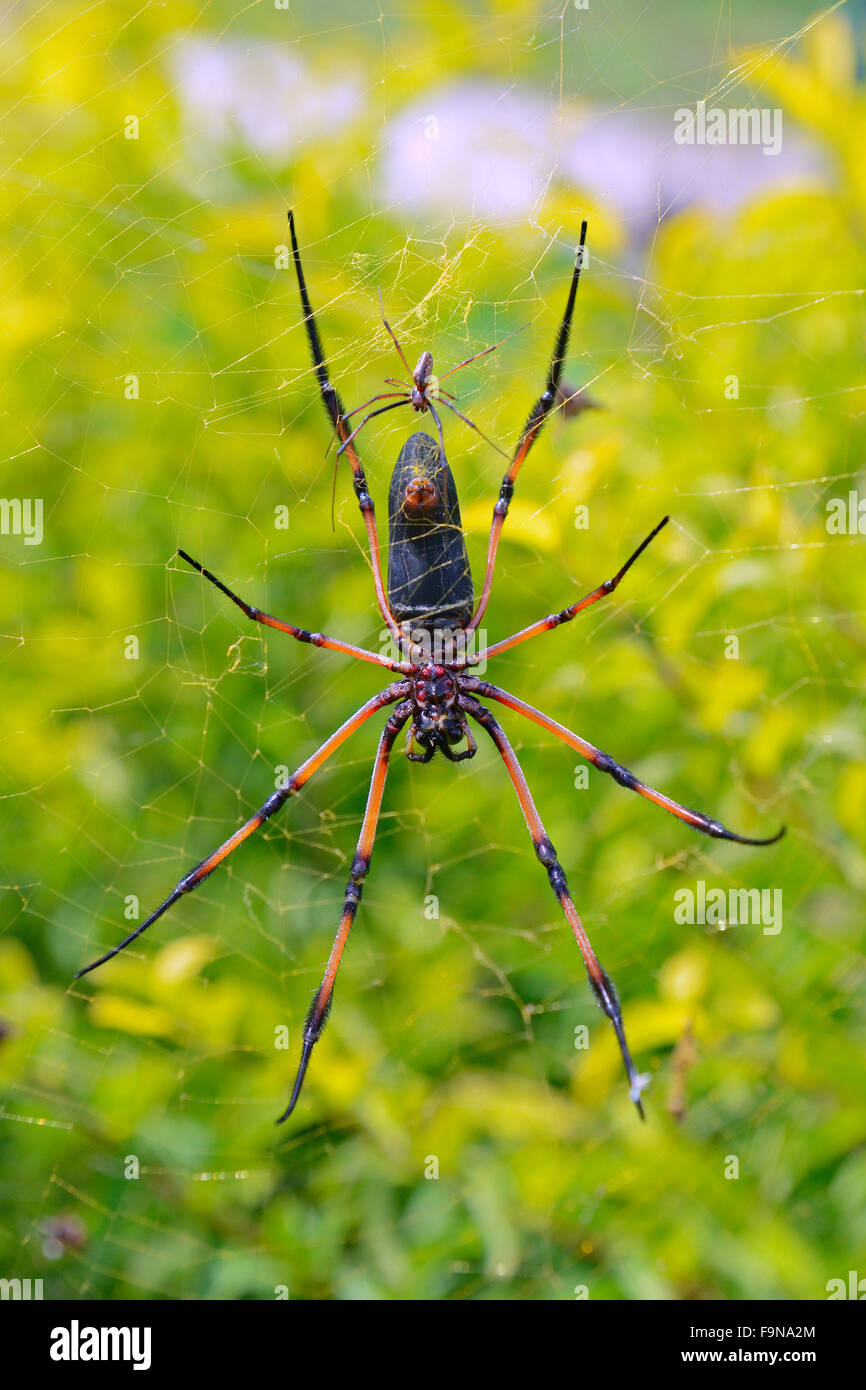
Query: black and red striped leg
(316, 639)
(334, 407)
(565, 616)
(531, 430)
(600, 982)
(274, 802)
(605, 763)
(320, 1007)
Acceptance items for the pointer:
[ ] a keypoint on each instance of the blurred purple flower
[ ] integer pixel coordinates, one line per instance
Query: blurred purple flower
(633, 162)
(469, 151)
(268, 101)
(472, 150)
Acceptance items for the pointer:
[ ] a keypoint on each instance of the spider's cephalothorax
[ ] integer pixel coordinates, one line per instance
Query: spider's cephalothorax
(430, 600)
(438, 722)
(422, 381)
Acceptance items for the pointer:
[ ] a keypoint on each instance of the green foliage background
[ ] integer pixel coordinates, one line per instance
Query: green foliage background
(451, 1038)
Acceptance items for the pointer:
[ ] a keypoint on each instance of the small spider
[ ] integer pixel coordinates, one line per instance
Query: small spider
(430, 601)
(420, 391)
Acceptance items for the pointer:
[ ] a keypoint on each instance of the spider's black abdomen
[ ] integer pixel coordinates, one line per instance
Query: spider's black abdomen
(429, 582)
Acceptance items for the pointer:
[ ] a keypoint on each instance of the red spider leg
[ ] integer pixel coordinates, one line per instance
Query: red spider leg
(316, 639)
(394, 337)
(320, 1007)
(605, 763)
(274, 802)
(334, 407)
(537, 416)
(602, 985)
(432, 410)
(482, 353)
(467, 421)
(392, 381)
(383, 409)
(382, 396)
(403, 400)
(565, 616)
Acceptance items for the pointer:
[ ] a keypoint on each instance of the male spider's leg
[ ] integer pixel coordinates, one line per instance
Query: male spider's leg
(274, 802)
(316, 639)
(432, 410)
(347, 443)
(471, 424)
(394, 338)
(334, 407)
(605, 763)
(381, 396)
(600, 981)
(565, 616)
(531, 430)
(484, 351)
(320, 1007)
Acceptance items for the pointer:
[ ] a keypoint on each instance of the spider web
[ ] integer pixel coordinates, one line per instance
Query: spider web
(158, 394)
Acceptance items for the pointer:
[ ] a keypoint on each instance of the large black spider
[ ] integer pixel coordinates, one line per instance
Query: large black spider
(430, 604)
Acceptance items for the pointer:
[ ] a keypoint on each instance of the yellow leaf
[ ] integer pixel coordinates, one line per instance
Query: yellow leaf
(830, 49)
(128, 1016)
(527, 524)
(650, 1025)
(684, 976)
(181, 960)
